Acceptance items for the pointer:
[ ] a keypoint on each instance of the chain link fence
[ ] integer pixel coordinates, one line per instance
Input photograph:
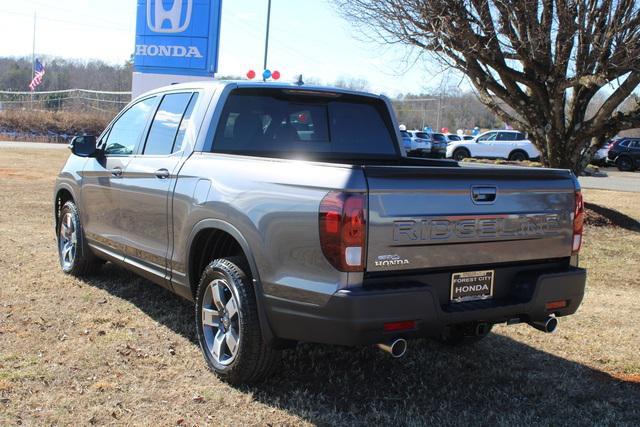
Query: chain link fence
(56, 116)
(73, 100)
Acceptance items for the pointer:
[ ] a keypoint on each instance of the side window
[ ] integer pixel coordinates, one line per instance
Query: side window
(634, 144)
(520, 136)
(126, 131)
(506, 136)
(491, 136)
(166, 124)
(184, 124)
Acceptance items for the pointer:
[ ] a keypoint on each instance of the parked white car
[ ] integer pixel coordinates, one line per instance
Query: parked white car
(413, 145)
(495, 144)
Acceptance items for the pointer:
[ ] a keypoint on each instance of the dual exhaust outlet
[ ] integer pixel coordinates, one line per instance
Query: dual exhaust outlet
(548, 325)
(398, 347)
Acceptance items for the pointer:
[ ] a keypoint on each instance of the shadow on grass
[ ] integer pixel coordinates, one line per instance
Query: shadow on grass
(496, 381)
(601, 216)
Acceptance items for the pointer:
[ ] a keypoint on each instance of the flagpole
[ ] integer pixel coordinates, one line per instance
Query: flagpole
(33, 54)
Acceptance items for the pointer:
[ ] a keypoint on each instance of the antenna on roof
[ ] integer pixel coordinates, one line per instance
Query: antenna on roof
(300, 82)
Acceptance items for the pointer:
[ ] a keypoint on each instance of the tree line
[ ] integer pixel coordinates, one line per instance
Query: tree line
(450, 108)
(16, 73)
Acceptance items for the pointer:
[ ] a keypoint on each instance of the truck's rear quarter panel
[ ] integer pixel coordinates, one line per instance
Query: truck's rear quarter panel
(274, 205)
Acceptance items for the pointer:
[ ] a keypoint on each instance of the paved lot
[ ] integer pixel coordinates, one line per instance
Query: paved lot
(616, 181)
(35, 145)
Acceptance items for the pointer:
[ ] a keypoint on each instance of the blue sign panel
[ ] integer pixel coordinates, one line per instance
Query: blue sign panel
(178, 36)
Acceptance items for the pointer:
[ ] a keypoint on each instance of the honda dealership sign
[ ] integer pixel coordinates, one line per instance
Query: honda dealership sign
(177, 37)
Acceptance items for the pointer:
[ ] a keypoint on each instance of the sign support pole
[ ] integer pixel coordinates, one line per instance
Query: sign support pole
(266, 40)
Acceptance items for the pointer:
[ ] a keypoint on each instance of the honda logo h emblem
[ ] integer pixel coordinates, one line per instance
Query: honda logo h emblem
(177, 21)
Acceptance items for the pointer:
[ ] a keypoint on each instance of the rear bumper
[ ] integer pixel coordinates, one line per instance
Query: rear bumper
(357, 317)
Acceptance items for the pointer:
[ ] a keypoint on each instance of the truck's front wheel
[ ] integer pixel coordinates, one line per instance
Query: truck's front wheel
(228, 326)
(73, 251)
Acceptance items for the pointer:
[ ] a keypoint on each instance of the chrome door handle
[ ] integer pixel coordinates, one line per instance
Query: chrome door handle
(483, 195)
(162, 173)
(117, 171)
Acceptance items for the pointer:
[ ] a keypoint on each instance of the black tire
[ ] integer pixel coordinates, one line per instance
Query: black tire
(254, 360)
(461, 335)
(518, 156)
(624, 164)
(83, 262)
(461, 153)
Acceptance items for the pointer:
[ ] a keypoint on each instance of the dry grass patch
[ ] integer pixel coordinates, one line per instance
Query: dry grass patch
(118, 349)
(59, 122)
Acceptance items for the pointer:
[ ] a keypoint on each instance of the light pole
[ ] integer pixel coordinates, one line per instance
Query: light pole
(266, 41)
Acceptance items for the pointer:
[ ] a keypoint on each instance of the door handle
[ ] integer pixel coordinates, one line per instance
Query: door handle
(481, 195)
(162, 173)
(117, 171)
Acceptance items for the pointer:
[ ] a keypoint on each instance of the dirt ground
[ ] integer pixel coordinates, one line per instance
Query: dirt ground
(116, 349)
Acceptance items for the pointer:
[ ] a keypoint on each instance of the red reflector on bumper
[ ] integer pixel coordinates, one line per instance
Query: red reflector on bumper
(556, 304)
(400, 326)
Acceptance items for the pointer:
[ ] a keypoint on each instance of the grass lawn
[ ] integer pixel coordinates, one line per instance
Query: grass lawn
(118, 349)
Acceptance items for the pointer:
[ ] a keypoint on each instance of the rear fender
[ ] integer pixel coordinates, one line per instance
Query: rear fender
(221, 225)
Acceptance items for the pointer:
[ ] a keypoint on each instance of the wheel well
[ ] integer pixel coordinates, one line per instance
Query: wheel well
(210, 244)
(465, 149)
(519, 150)
(62, 197)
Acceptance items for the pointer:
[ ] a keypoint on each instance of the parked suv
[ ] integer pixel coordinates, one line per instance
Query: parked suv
(625, 153)
(414, 145)
(495, 144)
(291, 213)
(440, 142)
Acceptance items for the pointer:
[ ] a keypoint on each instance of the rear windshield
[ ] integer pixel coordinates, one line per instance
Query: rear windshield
(423, 135)
(282, 123)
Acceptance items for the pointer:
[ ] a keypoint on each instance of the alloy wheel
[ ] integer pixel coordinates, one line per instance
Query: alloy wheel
(460, 155)
(68, 241)
(221, 322)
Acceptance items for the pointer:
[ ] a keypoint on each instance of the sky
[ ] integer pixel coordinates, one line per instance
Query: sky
(307, 37)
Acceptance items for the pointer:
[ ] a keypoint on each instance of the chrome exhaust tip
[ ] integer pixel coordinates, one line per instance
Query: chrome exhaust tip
(396, 348)
(549, 325)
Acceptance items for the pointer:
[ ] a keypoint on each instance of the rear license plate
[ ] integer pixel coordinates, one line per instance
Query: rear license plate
(472, 285)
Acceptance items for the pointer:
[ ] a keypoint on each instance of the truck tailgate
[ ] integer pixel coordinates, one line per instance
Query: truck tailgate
(434, 217)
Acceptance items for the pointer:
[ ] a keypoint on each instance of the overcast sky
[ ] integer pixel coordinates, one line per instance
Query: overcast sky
(307, 36)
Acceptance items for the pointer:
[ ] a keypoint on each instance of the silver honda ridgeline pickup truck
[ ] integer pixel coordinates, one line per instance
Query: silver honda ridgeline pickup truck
(291, 213)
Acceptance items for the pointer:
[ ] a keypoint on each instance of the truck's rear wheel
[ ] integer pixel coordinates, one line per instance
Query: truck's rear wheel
(228, 326)
(73, 252)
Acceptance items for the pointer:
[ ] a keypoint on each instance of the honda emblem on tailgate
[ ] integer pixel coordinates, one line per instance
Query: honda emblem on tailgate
(174, 16)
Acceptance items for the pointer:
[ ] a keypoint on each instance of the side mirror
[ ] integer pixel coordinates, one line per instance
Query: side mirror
(84, 146)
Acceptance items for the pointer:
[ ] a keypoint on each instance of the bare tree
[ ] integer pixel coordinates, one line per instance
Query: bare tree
(352, 83)
(536, 63)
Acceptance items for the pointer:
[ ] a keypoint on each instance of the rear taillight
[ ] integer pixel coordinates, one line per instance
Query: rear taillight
(343, 230)
(578, 222)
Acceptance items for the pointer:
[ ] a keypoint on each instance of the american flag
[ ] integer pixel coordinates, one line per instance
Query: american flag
(37, 76)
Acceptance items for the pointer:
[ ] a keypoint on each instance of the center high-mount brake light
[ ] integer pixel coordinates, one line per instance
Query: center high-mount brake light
(578, 223)
(343, 228)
